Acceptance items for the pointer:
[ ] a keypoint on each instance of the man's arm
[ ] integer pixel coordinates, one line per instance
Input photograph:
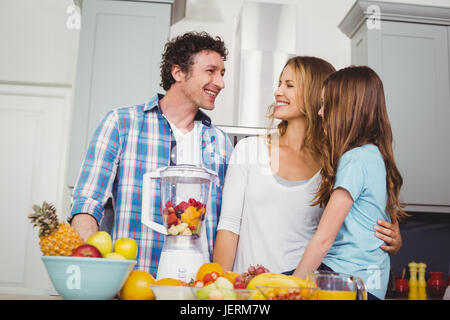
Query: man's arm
(98, 171)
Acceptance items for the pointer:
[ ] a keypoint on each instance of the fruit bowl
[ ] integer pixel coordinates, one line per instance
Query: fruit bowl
(172, 292)
(223, 294)
(83, 278)
(287, 293)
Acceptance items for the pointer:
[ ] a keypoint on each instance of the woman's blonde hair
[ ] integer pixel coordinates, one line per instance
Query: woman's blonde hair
(355, 114)
(309, 74)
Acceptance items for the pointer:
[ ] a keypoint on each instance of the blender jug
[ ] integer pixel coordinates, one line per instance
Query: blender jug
(184, 198)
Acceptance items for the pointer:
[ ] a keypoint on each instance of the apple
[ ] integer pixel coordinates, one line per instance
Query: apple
(86, 250)
(215, 294)
(102, 241)
(223, 283)
(203, 293)
(114, 255)
(127, 247)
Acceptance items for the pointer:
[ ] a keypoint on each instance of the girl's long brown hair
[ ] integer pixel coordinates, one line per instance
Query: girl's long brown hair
(309, 74)
(355, 114)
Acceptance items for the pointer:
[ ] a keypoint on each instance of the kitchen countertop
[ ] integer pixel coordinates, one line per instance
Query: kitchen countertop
(5, 296)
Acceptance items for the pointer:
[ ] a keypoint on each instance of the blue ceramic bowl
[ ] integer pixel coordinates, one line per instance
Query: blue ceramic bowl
(85, 278)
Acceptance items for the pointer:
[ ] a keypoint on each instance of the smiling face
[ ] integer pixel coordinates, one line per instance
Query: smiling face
(288, 96)
(204, 80)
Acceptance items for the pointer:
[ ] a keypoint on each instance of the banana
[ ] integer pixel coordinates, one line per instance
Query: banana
(271, 279)
(302, 283)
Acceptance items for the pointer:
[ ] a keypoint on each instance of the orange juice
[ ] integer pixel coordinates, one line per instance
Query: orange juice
(335, 295)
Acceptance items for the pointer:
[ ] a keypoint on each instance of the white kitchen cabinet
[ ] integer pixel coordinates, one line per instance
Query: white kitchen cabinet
(409, 49)
(33, 138)
(120, 49)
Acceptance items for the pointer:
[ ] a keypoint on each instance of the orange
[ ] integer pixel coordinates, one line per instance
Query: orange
(209, 267)
(230, 275)
(137, 286)
(169, 282)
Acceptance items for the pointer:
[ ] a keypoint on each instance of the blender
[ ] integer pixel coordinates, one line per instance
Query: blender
(184, 197)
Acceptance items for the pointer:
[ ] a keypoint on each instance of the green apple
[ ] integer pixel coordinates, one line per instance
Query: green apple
(126, 247)
(203, 293)
(114, 255)
(223, 283)
(102, 241)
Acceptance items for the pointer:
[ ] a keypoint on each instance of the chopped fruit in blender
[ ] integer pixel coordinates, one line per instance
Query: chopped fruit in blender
(169, 204)
(172, 220)
(182, 206)
(184, 218)
(179, 213)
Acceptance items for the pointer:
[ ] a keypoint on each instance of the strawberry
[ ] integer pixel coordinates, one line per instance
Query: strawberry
(207, 278)
(215, 275)
(210, 277)
(192, 202)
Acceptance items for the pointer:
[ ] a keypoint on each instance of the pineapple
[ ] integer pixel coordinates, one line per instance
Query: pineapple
(56, 239)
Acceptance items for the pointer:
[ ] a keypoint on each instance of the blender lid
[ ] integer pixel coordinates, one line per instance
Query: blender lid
(188, 171)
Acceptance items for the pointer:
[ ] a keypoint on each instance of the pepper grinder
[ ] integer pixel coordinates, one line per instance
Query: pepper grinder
(413, 284)
(422, 284)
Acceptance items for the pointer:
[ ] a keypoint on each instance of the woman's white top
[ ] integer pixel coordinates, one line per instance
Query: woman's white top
(274, 220)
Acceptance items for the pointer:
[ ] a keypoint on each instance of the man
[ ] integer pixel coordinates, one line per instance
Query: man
(131, 141)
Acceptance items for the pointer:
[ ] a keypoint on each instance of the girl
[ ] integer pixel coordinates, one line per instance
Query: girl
(266, 215)
(360, 181)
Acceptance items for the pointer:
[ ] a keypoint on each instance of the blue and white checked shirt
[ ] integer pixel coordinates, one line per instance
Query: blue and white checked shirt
(129, 142)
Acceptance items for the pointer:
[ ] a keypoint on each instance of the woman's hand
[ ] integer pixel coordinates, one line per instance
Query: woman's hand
(390, 234)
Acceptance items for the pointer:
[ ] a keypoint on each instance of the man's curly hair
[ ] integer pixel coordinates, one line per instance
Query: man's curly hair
(181, 51)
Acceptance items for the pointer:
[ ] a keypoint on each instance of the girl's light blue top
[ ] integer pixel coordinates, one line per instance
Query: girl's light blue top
(356, 250)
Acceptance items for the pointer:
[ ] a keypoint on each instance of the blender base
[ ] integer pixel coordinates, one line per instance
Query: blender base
(181, 265)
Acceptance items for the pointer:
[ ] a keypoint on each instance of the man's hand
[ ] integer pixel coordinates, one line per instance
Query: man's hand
(84, 224)
(390, 234)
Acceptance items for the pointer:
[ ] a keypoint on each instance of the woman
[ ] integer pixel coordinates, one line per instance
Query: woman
(266, 216)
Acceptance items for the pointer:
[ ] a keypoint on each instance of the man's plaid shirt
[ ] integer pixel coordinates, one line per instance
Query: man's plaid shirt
(129, 142)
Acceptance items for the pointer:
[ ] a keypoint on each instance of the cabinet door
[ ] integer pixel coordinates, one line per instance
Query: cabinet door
(33, 140)
(120, 49)
(413, 62)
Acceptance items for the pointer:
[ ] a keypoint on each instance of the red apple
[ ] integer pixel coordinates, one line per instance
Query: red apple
(86, 250)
